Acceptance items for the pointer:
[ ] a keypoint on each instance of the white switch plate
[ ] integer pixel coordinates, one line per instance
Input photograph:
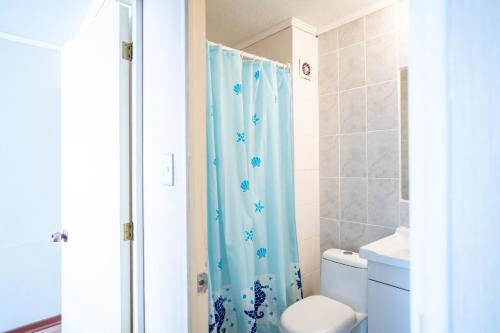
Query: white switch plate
(168, 170)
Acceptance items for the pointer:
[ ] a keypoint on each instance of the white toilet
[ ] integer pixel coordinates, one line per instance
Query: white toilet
(342, 305)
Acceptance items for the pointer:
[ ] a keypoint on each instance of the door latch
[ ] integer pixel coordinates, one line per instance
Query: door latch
(202, 281)
(60, 236)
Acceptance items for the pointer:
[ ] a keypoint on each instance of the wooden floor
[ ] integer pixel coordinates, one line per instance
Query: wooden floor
(53, 329)
(47, 325)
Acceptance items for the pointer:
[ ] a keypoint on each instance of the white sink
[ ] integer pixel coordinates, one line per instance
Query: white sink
(393, 250)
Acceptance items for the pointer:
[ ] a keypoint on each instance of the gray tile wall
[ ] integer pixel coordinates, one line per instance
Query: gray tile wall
(359, 129)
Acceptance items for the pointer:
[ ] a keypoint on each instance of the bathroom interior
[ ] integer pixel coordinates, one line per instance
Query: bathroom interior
(230, 166)
(347, 63)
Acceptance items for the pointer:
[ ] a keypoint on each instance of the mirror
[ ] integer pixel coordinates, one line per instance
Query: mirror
(403, 110)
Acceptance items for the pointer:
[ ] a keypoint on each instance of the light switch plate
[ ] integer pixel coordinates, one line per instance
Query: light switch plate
(168, 170)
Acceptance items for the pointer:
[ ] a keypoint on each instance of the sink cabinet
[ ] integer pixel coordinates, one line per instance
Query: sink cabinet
(388, 283)
(388, 298)
(388, 308)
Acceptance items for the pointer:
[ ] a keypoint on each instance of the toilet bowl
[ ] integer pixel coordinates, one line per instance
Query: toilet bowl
(342, 304)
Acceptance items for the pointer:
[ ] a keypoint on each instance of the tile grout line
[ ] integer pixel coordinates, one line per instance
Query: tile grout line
(369, 85)
(378, 36)
(360, 132)
(357, 222)
(339, 205)
(378, 83)
(366, 119)
(357, 177)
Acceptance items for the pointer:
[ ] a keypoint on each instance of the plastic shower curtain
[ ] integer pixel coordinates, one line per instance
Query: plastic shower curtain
(254, 273)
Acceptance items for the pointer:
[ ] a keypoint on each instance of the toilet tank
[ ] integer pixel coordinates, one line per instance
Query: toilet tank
(344, 277)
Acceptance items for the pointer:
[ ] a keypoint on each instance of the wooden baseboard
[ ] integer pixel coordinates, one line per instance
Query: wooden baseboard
(37, 325)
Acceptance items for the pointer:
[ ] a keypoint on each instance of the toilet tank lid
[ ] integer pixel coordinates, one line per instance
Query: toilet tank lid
(345, 257)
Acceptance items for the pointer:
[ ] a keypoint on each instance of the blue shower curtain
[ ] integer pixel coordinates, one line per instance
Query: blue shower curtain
(254, 273)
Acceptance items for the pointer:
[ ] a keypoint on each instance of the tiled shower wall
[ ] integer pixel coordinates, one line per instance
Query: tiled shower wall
(359, 66)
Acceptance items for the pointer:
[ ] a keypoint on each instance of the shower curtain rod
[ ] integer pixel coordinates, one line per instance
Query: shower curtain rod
(250, 55)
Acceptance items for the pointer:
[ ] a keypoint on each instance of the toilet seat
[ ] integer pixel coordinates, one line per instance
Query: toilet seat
(318, 314)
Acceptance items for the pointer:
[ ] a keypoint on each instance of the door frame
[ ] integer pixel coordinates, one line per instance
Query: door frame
(136, 149)
(137, 258)
(136, 156)
(197, 162)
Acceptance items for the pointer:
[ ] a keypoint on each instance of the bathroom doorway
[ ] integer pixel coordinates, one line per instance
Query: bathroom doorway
(73, 150)
(345, 58)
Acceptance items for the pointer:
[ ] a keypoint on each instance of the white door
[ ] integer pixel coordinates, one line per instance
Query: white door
(96, 172)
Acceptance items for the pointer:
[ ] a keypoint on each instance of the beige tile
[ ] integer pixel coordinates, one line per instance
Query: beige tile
(403, 32)
(306, 186)
(381, 22)
(313, 163)
(315, 277)
(310, 283)
(307, 221)
(328, 41)
(353, 110)
(382, 106)
(352, 66)
(352, 32)
(305, 47)
(309, 254)
(381, 59)
(305, 117)
(403, 48)
(328, 73)
(328, 114)
(402, 13)
(306, 152)
(305, 90)
(316, 257)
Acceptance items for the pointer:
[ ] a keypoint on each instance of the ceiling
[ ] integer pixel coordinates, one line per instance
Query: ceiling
(228, 21)
(233, 21)
(48, 21)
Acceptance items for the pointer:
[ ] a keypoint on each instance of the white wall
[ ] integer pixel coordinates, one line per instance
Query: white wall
(165, 208)
(29, 184)
(288, 46)
(277, 47)
(454, 165)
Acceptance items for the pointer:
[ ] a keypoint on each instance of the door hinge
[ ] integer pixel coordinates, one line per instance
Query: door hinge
(128, 231)
(127, 51)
